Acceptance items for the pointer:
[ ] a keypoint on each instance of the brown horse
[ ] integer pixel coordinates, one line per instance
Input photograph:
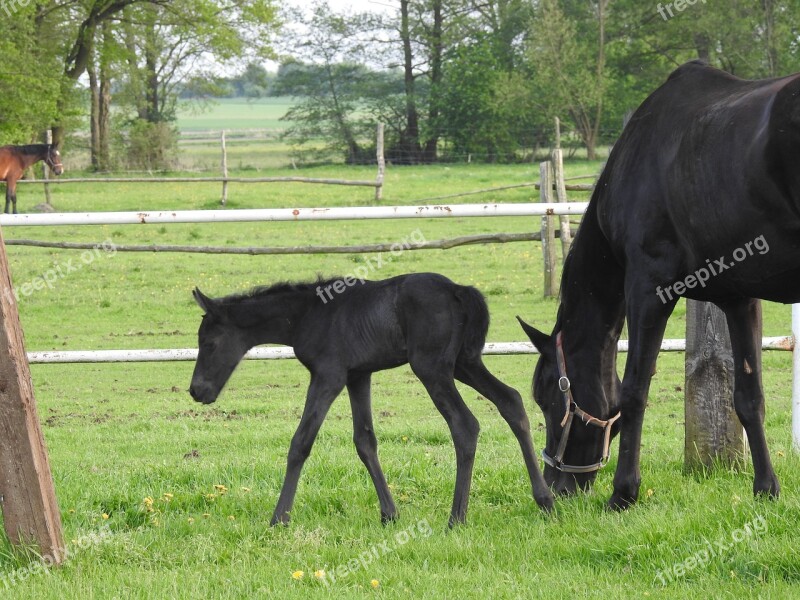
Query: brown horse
(15, 159)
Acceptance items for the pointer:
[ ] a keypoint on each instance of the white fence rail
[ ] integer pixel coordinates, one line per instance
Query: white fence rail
(295, 214)
(284, 352)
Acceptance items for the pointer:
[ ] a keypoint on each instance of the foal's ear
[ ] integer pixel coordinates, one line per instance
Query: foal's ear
(203, 301)
(541, 340)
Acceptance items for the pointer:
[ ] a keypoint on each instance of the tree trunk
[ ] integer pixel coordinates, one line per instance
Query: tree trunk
(432, 143)
(94, 115)
(409, 138)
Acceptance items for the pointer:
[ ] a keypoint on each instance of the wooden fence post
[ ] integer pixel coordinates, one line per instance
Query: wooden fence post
(548, 232)
(27, 496)
(224, 169)
(381, 163)
(561, 196)
(713, 431)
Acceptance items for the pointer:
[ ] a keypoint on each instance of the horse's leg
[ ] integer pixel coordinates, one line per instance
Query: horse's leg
(8, 196)
(508, 401)
(647, 320)
(358, 387)
(11, 189)
(437, 377)
(748, 394)
(321, 394)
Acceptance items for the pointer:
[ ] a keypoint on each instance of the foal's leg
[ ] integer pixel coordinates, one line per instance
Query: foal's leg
(321, 394)
(647, 320)
(464, 427)
(358, 387)
(508, 401)
(748, 395)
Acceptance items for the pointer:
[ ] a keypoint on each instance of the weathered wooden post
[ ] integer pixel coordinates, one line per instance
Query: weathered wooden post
(224, 169)
(27, 496)
(548, 232)
(561, 193)
(712, 431)
(381, 163)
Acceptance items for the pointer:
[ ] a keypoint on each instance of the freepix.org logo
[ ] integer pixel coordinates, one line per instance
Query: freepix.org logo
(702, 275)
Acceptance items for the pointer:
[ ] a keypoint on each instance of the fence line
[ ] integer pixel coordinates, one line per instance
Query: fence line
(526, 209)
(488, 238)
(785, 343)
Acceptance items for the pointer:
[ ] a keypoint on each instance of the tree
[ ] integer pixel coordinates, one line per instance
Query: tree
(569, 58)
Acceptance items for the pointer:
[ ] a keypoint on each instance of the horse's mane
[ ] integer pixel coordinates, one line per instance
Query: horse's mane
(32, 148)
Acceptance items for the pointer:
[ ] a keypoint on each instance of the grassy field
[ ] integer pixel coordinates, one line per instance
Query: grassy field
(235, 113)
(178, 496)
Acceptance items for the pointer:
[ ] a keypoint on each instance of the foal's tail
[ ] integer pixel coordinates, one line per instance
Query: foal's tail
(476, 325)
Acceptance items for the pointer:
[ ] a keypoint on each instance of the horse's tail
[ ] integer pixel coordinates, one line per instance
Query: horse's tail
(476, 325)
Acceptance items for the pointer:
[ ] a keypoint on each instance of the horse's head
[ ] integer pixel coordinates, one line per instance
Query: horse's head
(53, 160)
(576, 407)
(222, 344)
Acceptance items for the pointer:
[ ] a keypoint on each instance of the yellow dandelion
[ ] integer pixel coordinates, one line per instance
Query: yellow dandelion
(71, 511)
(319, 574)
(404, 438)
(206, 515)
(781, 454)
(148, 501)
(168, 496)
(220, 488)
(375, 583)
(231, 518)
(245, 489)
(105, 516)
(190, 520)
(210, 497)
(297, 575)
(649, 492)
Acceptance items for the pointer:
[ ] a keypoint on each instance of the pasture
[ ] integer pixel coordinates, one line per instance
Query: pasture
(186, 491)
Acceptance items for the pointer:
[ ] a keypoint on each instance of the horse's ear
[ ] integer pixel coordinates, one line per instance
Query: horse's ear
(203, 301)
(541, 340)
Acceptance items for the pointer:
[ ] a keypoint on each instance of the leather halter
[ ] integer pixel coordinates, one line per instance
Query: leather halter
(572, 409)
(50, 159)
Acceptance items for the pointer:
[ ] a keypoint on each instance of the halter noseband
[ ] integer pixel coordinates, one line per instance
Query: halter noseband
(572, 409)
(50, 159)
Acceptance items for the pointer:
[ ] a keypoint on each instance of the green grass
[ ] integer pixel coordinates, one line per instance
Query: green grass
(121, 434)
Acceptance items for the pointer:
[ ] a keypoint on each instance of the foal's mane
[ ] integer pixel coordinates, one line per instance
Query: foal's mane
(284, 287)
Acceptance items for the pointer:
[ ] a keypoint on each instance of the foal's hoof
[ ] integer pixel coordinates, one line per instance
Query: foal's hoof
(279, 520)
(387, 518)
(619, 502)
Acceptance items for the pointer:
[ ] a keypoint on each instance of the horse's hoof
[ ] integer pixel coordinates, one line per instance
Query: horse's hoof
(619, 502)
(770, 490)
(546, 502)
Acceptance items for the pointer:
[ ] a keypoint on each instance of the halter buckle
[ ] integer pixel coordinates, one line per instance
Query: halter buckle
(563, 384)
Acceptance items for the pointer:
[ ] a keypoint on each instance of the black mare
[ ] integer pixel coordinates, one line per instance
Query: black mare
(342, 331)
(700, 197)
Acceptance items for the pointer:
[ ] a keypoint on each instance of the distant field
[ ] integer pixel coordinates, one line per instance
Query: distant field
(235, 113)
